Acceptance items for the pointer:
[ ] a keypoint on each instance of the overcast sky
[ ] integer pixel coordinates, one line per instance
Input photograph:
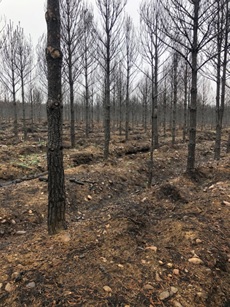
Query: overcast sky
(31, 13)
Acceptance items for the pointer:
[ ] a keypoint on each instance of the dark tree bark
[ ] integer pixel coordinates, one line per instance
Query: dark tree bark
(56, 186)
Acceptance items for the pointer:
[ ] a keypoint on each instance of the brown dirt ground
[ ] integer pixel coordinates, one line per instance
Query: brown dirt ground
(125, 243)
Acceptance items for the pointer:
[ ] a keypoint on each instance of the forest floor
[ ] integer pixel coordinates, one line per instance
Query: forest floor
(126, 244)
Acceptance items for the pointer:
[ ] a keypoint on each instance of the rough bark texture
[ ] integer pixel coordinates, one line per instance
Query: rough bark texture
(56, 187)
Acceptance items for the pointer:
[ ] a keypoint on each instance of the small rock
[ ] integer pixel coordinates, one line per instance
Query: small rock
(89, 197)
(14, 275)
(20, 232)
(152, 248)
(148, 287)
(176, 272)
(30, 285)
(13, 222)
(169, 265)
(103, 259)
(164, 295)
(198, 241)
(200, 297)
(195, 260)
(1, 285)
(173, 290)
(177, 304)
(226, 203)
(161, 262)
(158, 277)
(9, 287)
(4, 221)
(107, 289)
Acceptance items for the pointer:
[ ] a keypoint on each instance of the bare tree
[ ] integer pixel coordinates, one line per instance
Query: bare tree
(9, 76)
(153, 49)
(24, 65)
(87, 45)
(119, 95)
(175, 89)
(222, 46)
(42, 72)
(186, 81)
(130, 58)
(71, 35)
(189, 25)
(56, 182)
(109, 46)
(143, 90)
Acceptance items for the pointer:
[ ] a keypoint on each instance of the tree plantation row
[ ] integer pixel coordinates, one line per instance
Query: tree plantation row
(171, 69)
(140, 116)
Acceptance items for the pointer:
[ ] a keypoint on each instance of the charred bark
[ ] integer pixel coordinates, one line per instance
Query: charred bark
(56, 185)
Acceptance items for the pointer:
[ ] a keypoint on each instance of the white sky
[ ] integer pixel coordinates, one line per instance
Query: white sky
(31, 14)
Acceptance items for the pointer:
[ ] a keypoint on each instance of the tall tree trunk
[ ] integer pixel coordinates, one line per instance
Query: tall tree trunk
(154, 124)
(175, 65)
(127, 104)
(31, 109)
(56, 185)
(193, 106)
(15, 106)
(107, 102)
(222, 85)
(23, 107)
(185, 101)
(87, 113)
(218, 85)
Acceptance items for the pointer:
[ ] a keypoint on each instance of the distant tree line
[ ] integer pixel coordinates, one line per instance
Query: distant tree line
(170, 71)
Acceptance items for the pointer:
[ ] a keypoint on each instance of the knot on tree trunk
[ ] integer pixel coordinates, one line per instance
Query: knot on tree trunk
(54, 52)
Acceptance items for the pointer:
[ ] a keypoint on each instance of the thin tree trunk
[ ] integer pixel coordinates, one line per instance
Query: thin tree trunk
(175, 65)
(185, 101)
(107, 102)
(23, 107)
(15, 106)
(193, 106)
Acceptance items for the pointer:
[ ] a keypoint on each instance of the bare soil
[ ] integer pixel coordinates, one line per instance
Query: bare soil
(126, 245)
